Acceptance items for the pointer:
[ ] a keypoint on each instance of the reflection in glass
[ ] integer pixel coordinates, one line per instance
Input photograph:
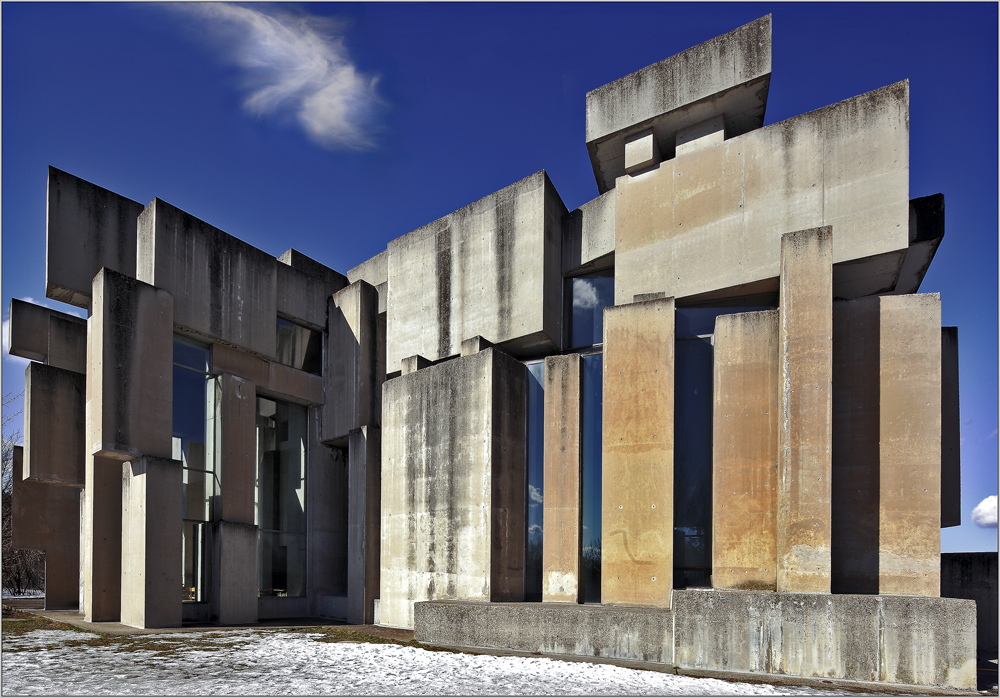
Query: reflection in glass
(281, 503)
(299, 347)
(190, 354)
(593, 392)
(589, 295)
(194, 561)
(691, 322)
(536, 475)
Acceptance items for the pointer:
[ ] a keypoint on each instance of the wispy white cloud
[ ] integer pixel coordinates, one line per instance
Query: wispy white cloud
(534, 530)
(295, 65)
(985, 513)
(584, 294)
(535, 494)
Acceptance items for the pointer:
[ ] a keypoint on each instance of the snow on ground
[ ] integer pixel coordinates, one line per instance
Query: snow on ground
(275, 662)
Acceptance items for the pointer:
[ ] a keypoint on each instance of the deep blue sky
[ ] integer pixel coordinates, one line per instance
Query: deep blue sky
(149, 100)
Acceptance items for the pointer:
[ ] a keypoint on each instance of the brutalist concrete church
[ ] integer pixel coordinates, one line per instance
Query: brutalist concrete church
(705, 420)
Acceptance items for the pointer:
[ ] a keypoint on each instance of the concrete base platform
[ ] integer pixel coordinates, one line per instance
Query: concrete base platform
(873, 640)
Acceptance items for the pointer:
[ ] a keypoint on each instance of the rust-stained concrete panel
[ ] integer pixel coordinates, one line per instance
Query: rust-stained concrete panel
(130, 369)
(86, 228)
(745, 451)
(714, 218)
(951, 442)
(239, 450)
(151, 543)
(491, 269)
(222, 287)
(101, 540)
(353, 373)
(910, 445)
(453, 484)
(563, 479)
(637, 472)
(805, 420)
(54, 425)
(363, 513)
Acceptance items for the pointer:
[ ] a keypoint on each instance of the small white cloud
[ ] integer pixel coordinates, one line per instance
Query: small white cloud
(16, 360)
(534, 530)
(985, 513)
(584, 294)
(535, 495)
(294, 64)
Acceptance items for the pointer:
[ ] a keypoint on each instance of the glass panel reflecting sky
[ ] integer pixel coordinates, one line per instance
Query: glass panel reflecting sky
(536, 474)
(593, 393)
(691, 322)
(299, 347)
(190, 354)
(589, 296)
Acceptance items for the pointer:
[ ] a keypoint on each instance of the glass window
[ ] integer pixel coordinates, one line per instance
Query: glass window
(587, 296)
(300, 347)
(536, 476)
(593, 395)
(280, 511)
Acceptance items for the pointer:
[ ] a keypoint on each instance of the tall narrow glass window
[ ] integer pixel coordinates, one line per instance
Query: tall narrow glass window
(195, 419)
(587, 297)
(593, 396)
(536, 476)
(280, 511)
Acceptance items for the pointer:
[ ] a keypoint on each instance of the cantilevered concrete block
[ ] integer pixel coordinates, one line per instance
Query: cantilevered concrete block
(87, 228)
(951, 442)
(67, 343)
(352, 375)
(641, 152)
(926, 233)
(130, 369)
(303, 287)
(42, 334)
(234, 573)
(47, 517)
(805, 417)
(363, 519)
(745, 452)
(453, 484)
(474, 345)
(701, 135)
(588, 235)
(490, 269)
(222, 287)
(54, 443)
(910, 445)
(637, 469)
(725, 76)
(239, 450)
(101, 540)
(563, 462)
(151, 543)
(413, 363)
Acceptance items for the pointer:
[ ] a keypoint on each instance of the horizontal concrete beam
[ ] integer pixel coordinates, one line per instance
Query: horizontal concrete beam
(49, 336)
(303, 287)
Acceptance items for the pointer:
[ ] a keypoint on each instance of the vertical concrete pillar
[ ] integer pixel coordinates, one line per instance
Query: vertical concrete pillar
(805, 417)
(951, 442)
(239, 449)
(234, 573)
(102, 540)
(637, 452)
(563, 478)
(151, 543)
(54, 403)
(745, 452)
(910, 445)
(364, 484)
(354, 371)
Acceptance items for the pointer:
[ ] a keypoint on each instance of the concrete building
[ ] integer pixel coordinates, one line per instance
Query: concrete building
(706, 419)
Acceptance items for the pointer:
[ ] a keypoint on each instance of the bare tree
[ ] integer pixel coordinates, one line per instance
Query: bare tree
(23, 570)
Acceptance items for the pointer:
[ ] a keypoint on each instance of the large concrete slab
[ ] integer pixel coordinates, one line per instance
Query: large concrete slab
(222, 287)
(745, 452)
(714, 218)
(637, 469)
(54, 425)
(951, 427)
(234, 573)
(588, 235)
(491, 269)
(453, 484)
(151, 543)
(910, 444)
(727, 76)
(805, 418)
(238, 468)
(563, 477)
(974, 576)
(42, 334)
(130, 369)
(353, 373)
(86, 228)
(363, 520)
(101, 540)
(303, 287)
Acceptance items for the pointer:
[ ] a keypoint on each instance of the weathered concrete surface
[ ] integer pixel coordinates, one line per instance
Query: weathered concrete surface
(910, 444)
(490, 269)
(151, 543)
(352, 373)
(328, 500)
(363, 519)
(234, 573)
(641, 151)
(588, 235)
(926, 233)
(42, 334)
(855, 455)
(130, 369)
(713, 218)
(303, 287)
(413, 363)
(238, 469)
(637, 472)
(974, 576)
(563, 478)
(474, 345)
(725, 76)
(951, 426)
(54, 438)
(745, 452)
(640, 634)
(227, 359)
(895, 639)
(805, 418)
(222, 287)
(701, 135)
(86, 228)
(101, 540)
(47, 517)
(291, 384)
(453, 484)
